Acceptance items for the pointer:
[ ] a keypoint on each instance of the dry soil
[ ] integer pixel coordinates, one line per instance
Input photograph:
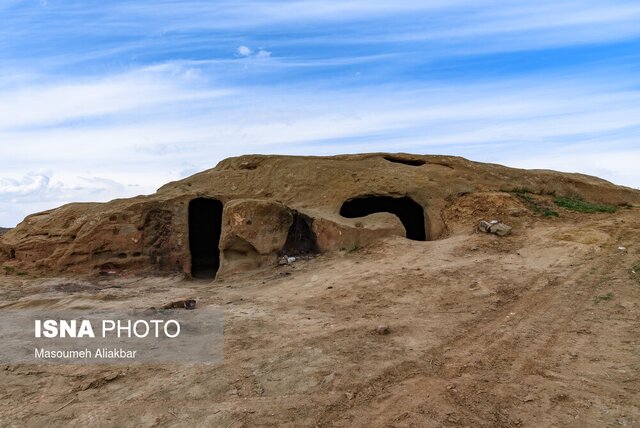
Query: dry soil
(540, 328)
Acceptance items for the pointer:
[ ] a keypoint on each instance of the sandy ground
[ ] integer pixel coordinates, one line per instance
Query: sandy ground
(541, 328)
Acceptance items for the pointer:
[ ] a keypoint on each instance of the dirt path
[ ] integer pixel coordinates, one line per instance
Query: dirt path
(541, 328)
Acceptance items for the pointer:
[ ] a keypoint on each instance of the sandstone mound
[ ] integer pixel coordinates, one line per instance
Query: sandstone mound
(248, 211)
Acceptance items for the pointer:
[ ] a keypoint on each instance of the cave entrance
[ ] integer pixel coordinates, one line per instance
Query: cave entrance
(301, 241)
(205, 225)
(410, 213)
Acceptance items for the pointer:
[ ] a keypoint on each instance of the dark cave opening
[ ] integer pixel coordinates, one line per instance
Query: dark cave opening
(205, 226)
(300, 239)
(410, 213)
(410, 162)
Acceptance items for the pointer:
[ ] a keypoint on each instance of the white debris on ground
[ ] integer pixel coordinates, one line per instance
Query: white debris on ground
(286, 260)
(495, 227)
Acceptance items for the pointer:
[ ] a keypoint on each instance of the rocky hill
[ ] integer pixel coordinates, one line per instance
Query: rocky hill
(249, 211)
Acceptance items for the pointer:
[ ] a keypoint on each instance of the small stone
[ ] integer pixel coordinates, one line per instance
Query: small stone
(328, 379)
(484, 226)
(528, 398)
(291, 259)
(495, 227)
(501, 229)
(350, 395)
(622, 422)
(111, 376)
(382, 329)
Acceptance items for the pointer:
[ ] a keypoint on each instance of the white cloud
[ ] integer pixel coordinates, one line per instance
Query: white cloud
(244, 51)
(247, 52)
(40, 190)
(31, 183)
(619, 166)
(52, 103)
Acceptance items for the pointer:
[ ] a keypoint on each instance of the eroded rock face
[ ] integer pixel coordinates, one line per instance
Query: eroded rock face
(272, 206)
(253, 232)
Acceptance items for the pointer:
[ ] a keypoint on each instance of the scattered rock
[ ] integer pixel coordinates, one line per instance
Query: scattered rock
(383, 329)
(495, 227)
(329, 378)
(181, 304)
(98, 382)
(622, 422)
(286, 260)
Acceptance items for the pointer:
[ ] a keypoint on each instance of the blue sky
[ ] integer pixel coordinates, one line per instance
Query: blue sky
(112, 99)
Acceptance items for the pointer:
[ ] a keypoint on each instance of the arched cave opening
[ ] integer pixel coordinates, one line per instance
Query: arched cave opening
(205, 226)
(301, 241)
(410, 213)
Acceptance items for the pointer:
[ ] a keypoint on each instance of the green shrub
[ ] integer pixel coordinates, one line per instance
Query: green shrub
(579, 205)
(538, 207)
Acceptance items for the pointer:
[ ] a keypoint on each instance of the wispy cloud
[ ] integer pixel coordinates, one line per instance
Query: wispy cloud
(51, 103)
(40, 190)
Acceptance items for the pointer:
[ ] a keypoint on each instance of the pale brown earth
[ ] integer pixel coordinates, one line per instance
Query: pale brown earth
(537, 329)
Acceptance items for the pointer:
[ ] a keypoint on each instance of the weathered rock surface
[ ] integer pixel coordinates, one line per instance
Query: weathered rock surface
(253, 230)
(273, 205)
